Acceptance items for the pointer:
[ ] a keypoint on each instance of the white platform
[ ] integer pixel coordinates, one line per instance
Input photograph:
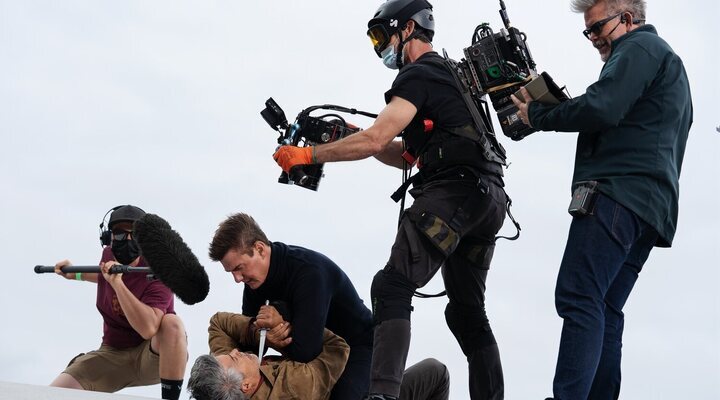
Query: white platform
(18, 391)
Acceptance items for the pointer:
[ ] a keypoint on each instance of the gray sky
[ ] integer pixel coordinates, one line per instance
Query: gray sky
(157, 104)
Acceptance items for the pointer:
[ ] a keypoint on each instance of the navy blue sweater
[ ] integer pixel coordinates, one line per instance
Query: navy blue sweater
(319, 295)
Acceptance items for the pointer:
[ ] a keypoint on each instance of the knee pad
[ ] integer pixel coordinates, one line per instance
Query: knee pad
(391, 294)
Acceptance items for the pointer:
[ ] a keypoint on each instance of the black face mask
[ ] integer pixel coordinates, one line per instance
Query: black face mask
(125, 251)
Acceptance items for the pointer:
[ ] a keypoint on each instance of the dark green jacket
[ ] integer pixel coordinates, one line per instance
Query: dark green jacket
(633, 124)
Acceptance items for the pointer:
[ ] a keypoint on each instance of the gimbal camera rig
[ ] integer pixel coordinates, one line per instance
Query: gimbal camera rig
(308, 130)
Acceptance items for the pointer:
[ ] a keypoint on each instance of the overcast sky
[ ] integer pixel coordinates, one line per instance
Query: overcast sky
(156, 103)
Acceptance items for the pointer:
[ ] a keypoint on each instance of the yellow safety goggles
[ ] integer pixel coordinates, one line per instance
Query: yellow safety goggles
(379, 37)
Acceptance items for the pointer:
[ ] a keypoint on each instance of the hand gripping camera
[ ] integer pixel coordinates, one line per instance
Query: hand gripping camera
(309, 130)
(499, 64)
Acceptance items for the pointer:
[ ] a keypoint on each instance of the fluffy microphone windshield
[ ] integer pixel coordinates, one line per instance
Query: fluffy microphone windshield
(171, 260)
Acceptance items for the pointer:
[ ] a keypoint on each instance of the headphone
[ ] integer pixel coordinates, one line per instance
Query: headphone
(106, 234)
(633, 20)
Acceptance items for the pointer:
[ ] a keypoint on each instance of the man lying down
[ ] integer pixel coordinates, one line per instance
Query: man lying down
(232, 370)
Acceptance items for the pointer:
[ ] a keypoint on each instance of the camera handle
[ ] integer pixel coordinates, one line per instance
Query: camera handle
(295, 177)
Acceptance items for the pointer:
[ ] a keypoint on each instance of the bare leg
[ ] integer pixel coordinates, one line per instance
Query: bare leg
(66, 381)
(171, 344)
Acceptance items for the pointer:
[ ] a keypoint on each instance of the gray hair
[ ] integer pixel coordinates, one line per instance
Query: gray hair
(210, 381)
(634, 7)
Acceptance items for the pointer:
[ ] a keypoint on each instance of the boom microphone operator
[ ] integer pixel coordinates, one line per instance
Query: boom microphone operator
(171, 259)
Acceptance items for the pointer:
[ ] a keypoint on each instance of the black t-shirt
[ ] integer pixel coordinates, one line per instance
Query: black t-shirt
(431, 88)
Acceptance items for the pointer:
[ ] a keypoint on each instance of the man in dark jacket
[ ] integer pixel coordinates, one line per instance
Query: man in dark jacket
(314, 288)
(633, 125)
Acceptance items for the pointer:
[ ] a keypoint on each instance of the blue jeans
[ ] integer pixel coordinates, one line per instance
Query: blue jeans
(603, 257)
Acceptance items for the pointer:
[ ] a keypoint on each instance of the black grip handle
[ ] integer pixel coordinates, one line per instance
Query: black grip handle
(298, 176)
(39, 269)
(116, 269)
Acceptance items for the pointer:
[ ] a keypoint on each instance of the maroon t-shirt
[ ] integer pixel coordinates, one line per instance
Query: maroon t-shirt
(117, 331)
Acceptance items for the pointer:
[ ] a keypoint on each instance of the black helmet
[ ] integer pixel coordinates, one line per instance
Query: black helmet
(126, 213)
(393, 15)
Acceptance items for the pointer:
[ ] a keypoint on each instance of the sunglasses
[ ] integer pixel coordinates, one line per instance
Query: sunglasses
(596, 28)
(121, 235)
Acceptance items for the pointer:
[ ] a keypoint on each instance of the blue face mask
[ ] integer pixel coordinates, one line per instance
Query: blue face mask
(389, 57)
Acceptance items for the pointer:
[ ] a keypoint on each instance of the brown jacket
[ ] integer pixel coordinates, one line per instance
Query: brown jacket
(282, 378)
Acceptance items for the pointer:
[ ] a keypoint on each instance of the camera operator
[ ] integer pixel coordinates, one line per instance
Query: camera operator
(633, 125)
(459, 206)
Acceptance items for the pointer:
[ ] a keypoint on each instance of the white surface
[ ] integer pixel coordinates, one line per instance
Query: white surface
(17, 391)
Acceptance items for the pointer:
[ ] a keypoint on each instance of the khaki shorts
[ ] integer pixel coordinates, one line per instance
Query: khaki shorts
(109, 370)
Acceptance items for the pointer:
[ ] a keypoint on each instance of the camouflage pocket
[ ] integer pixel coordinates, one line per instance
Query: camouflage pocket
(439, 233)
(477, 255)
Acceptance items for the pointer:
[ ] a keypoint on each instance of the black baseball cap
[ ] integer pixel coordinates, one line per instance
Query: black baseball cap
(125, 213)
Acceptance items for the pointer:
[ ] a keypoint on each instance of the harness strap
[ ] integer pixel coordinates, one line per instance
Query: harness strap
(517, 225)
(399, 194)
(491, 148)
(457, 151)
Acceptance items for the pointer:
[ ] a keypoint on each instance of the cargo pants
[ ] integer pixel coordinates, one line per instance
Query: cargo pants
(450, 226)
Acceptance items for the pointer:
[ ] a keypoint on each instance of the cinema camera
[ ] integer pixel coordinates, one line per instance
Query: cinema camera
(499, 64)
(309, 130)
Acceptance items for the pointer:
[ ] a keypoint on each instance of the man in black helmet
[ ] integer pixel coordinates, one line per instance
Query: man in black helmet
(459, 206)
(143, 342)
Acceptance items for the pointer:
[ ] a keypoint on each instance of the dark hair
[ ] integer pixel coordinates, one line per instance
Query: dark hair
(237, 231)
(424, 35)
(210, 381)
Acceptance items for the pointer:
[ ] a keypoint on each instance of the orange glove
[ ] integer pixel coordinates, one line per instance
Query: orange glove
(290, 156)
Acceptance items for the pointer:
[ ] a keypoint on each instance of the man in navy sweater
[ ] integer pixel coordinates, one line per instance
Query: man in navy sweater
(313, 287)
